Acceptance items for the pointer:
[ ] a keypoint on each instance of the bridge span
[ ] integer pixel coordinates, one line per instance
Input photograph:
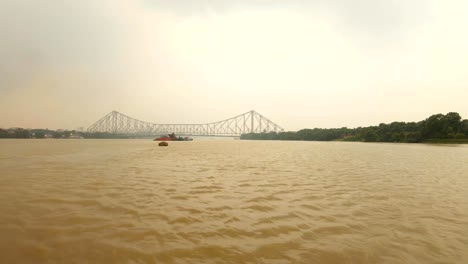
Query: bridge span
(249, 122)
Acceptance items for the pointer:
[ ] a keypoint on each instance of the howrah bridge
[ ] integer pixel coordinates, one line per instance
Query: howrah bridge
(121, 124)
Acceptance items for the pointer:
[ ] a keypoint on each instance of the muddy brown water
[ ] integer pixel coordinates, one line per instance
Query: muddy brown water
(232, 201)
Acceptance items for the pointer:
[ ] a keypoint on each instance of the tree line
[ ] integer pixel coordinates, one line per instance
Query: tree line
(436, 128)
(46, 133)
(36, 133)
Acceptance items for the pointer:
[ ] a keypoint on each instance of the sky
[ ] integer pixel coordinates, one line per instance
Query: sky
(301, 63)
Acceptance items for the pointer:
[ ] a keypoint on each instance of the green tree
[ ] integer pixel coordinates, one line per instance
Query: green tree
(371, 136)
(439, 126)
(464, 127)
(39, 134)
(433, 126)
(452, 121)
(21, 133)
(57, 134)
(3, 133)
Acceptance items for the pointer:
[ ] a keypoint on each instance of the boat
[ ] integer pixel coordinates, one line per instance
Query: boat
(172, 137)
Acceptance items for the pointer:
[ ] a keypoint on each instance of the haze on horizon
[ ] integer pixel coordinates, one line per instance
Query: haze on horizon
(303, 64)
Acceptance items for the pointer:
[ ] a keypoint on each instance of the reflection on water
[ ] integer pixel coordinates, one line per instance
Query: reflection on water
(232, 201)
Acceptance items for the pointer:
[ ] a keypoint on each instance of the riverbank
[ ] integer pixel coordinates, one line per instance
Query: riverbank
(446, 141)
(430, 141)
(439, 128)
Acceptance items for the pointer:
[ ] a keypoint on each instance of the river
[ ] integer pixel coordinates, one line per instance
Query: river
(232, 201)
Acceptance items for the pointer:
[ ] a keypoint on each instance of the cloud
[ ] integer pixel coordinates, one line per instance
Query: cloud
(371, 17)
(300, 63)
(65, 57)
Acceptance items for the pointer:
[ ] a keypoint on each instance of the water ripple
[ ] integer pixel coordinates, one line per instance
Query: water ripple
(128, 201)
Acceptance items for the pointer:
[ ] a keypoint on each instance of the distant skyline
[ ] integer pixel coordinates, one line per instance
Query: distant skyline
(301, 63)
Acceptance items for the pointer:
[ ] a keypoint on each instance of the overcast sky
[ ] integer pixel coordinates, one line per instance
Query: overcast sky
(301, 63)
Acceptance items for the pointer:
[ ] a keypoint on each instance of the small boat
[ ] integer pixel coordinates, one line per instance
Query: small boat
(172, 137)
(163, 144)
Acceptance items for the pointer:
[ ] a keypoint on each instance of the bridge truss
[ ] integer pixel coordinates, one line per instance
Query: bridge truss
(250, 122)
